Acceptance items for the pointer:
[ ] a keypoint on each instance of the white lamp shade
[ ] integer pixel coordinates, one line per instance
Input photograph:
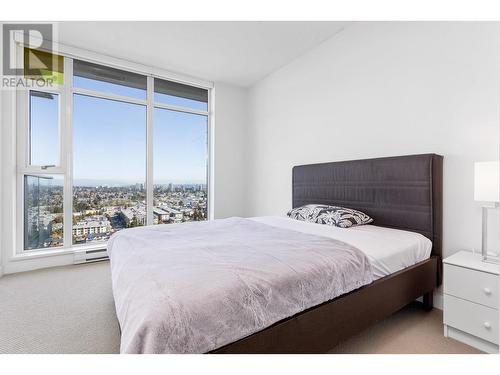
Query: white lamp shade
(487, 181)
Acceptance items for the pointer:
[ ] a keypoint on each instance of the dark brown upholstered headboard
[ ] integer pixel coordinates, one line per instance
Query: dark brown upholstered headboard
(403, 192)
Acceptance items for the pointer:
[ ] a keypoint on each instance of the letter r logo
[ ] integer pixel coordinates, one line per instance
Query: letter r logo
(30, 35)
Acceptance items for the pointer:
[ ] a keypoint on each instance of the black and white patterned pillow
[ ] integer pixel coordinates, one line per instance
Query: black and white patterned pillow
(330, 215)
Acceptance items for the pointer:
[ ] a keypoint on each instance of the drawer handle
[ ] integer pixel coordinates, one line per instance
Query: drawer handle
(487, 291)
(487, 325)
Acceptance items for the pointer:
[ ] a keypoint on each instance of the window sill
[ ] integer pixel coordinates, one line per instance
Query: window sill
(40, 254)
(35, 254)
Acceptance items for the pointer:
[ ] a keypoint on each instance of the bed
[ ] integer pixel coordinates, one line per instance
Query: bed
(166, 279)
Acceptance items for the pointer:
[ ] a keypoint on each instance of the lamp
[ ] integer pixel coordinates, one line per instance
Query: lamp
(487, 190)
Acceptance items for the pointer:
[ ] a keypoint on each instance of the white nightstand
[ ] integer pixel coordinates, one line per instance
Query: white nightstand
(470, 308)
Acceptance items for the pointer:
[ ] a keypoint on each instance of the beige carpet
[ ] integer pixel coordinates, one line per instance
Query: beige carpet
(409, 331)
(71, 310)
(59, 310)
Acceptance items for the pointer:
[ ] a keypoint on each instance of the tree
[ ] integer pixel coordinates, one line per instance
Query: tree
(134, 222)
(58, 219)
(57, 233)
(198, 214)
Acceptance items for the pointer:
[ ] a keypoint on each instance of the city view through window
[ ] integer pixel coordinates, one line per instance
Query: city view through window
(109, 165)
(99, 211)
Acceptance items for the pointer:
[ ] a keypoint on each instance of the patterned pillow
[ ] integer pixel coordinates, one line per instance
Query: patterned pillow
(330, 215)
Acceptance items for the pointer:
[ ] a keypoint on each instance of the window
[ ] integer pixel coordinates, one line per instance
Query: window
(177, 94)
(180, 153)
(42, 192)
(88, 169)
(108, 80)
(109, 167)
(44, 128)
(180, 166)
(43, 211)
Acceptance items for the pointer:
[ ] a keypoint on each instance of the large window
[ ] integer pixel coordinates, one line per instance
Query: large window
(180, 153)
(111, 149)
(109, 178)
(180, 166)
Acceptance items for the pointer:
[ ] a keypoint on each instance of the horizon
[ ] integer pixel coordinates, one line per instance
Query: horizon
(115, 183)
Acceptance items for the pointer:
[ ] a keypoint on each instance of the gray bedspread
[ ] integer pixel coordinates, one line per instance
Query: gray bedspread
(194, 287)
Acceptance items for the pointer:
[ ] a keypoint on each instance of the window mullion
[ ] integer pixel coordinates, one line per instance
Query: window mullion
(39, 170)
(67, 150)
(149, 155)
(104, 95)
(23, 109)
(181, 109)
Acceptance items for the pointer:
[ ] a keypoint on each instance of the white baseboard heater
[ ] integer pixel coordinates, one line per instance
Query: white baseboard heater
(90, 256)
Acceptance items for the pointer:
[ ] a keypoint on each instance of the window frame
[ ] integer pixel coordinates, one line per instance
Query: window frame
(66, 93)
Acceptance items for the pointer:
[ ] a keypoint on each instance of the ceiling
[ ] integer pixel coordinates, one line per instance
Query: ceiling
(238, 53)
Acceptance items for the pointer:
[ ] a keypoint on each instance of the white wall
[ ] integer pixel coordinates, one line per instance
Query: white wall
(229, 153)
(382, 89)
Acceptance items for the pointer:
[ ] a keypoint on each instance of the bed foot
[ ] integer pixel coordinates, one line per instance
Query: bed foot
(428, 301)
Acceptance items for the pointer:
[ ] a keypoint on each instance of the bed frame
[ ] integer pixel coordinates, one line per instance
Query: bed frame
(403, 192)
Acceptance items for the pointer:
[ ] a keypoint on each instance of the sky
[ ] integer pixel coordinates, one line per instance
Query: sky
(109, 138)
(44, 130)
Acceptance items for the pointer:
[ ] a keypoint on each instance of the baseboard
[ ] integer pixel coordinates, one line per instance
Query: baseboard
(470, 340)
(24, 265)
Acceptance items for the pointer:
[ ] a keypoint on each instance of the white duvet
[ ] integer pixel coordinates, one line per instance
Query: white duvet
(194, 287)
(389, 250)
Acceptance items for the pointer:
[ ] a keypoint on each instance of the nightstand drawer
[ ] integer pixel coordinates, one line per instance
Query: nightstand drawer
(477, 320)
(472, 285)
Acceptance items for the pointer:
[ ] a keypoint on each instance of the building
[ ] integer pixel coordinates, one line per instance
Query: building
(175, 216)
(92, 225)
(137, 212)
(160, 215)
